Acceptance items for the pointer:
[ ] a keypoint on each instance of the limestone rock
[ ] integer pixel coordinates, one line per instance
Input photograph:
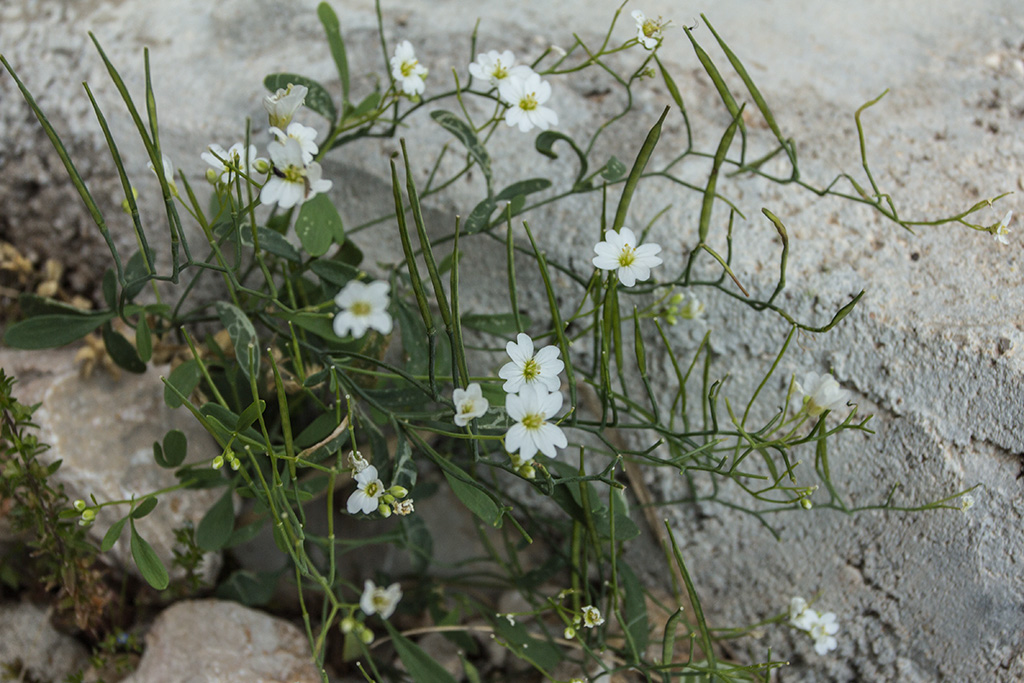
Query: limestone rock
(103, 429)
(215, 641)
(30, 646)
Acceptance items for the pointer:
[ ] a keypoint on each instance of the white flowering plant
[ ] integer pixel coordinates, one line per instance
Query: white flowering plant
(537, 420)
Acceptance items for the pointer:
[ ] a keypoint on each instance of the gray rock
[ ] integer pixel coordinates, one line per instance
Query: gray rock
(31, 647)
(214, 641)
(931, 350)
(103, 429)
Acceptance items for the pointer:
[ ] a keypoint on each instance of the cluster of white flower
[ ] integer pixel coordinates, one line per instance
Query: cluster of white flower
(589, 617)
(363, 307)
(520, 88)
(819, 393)
(620, 252)
(370, 493)
(407, 70)
(532, 385)
(821, 627)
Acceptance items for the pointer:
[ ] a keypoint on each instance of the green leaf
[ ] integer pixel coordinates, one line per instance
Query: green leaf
(185, 378)
(135, 271)
(121, 351)
(334, 272)
(271, 242)
(635, 608)
(317, 99)
(368, 104)
(405, 467)
(545, 144)
(319, 324)
(523, 187)
(152, 569)
(474, 498)
(465, 134)
(109, 288)
(543, 654)
(215, 528)
(175, 448)
(418, 542)
(252, 589)
(421, 666)
(250, 414)
(349, 253)
(144, 508)
(410, 325)
(480, 216)
(243, 336)
(33, 305)
(318, 225)
(113, 533)
(332, 27)
(499, 324)
(143, 340)
(613, 170)
(51, 331)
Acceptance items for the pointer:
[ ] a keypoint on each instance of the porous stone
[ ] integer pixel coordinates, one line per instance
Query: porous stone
(216, 641)
(102, 430)
(931, 350)
(31, 649)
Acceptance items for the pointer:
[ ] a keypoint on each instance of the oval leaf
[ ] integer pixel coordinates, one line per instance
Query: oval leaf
(243, 337)
(480, 216)
(184, 378)
(144, 508)
(143, 340)
(332, 27)
(217, 524)
(478, 502)
(319, 225)
(51, 331)
(175, 448)
(525, 187)
(113, 533)
(150, 566)
(121, 351)
(613, 170)
(421, 666)
(271, 242)
(465, 134)
(317, 99)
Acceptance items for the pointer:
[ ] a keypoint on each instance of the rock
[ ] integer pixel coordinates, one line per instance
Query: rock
(30, 648)
(103, 429)
(215, 641)
(932, 350)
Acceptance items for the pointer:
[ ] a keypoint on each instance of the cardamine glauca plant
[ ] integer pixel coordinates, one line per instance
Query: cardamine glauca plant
(366, 389)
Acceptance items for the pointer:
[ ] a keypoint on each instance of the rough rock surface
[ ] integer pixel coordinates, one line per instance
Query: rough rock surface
(932, 351)
(103, 430)
(30, 646)
(214, 641)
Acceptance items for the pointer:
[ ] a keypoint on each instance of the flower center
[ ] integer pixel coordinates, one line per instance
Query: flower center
(533, 421)
(627, 257)
(531, 370)
(360, 308)
(651, 28)
(380, 600)
(467, 408)
(295, 174)
(407, 67)
(373, 489)
(500, 71)
(528, 102)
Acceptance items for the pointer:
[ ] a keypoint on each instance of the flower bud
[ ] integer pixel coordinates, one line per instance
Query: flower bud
(348, 624)
(806, 503)
(398, 491)
(218, 462)
(212, 176)
(384, 510)
(366, 635)
(79, 505)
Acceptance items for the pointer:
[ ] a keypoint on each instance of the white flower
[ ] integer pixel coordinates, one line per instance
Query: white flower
(407, 71)
(382, 601)
(823, 631)
(226, 162)
(821, 393)
(363, 307)
(799, 616)
(369, 490)
(293, 181)
(528, 368)
(306, 136)
(469, 404)
(497, 68)
(531, 409)
(1002, 229)
(619, 252)
(283, 104)
(648, 31)
(591, 616)
(525, 97)
(168, 172)
(966, 502)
